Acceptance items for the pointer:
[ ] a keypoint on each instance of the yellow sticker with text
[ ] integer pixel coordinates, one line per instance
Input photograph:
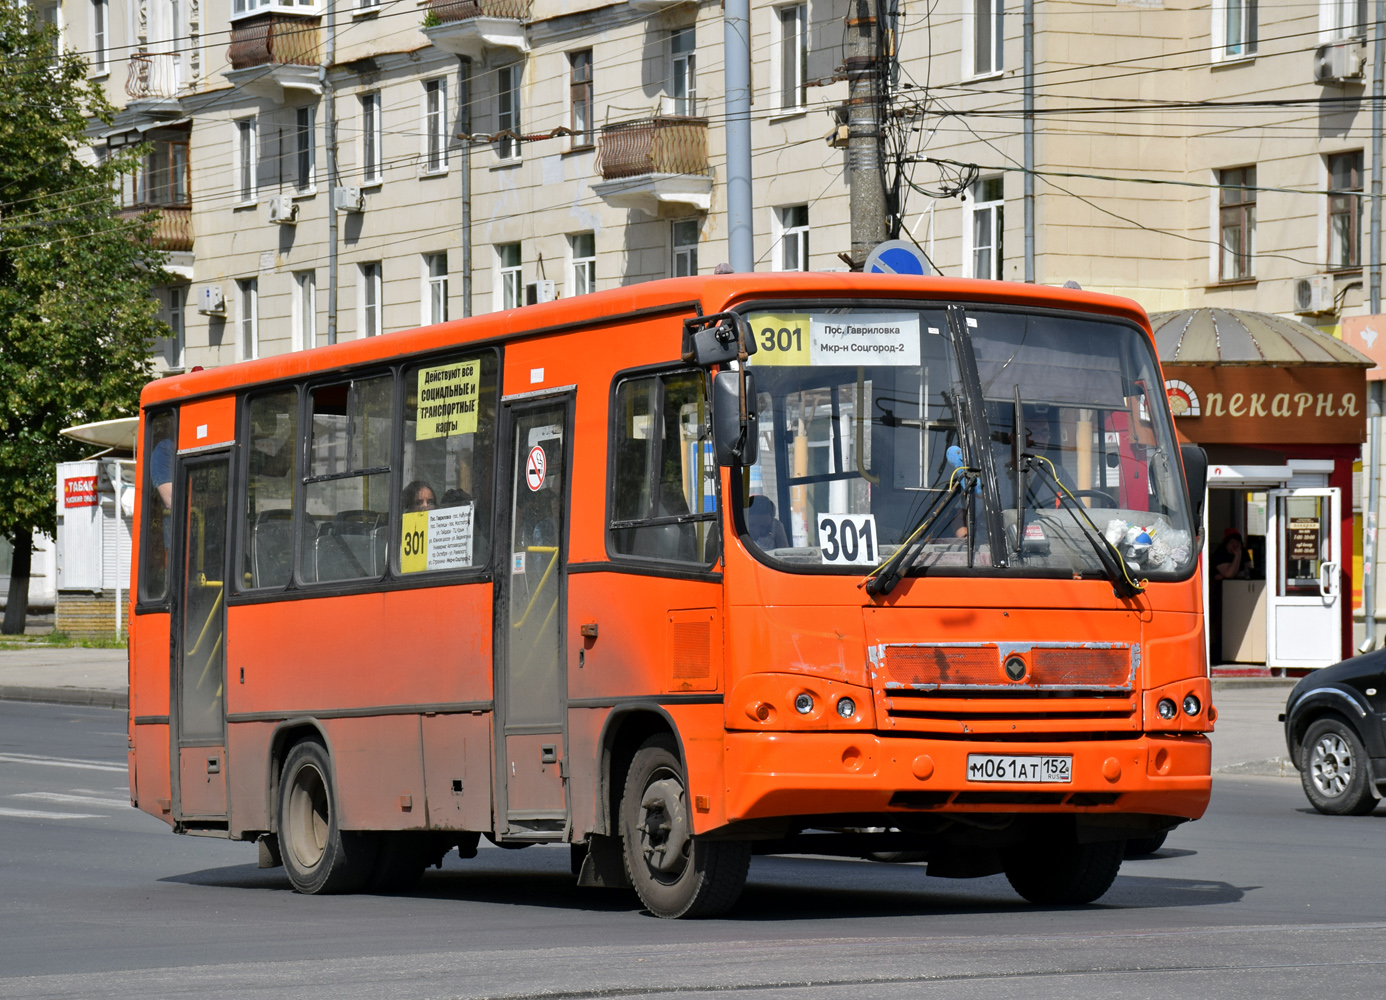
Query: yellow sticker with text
(447, 400)
(413, 543)
(780, 339)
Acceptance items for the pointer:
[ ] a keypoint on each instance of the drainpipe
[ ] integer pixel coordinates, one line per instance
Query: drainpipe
(736, 54)
(330, 145)
(464, 107)
(1029, 23)
(1374, 388)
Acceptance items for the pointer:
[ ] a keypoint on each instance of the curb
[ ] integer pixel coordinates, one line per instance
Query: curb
(1245, 683)
(67, 696)
(1271, 767)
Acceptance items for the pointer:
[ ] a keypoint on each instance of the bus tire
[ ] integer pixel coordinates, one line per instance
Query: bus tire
(674, 873)
(1143, 847)
(1333, 770)
(1064, 874)
(319, 857)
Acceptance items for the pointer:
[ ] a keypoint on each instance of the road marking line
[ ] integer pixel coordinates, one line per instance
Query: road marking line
(86, 765)
(40, 814)
(79, 800)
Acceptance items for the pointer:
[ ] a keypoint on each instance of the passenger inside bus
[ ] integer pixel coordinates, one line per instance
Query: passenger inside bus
(418, 496)
(765, 529)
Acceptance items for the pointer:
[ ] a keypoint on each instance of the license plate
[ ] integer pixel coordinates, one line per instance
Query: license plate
(1005, 767)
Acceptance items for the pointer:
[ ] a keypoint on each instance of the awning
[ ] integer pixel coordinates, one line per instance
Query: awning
(118, 433)
(128, 135)
(1239, 337)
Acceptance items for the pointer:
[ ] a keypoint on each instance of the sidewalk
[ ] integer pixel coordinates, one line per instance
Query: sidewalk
(65, 676)
(1248, 738)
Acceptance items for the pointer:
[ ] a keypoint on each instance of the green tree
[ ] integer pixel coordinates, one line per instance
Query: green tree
(76, 318)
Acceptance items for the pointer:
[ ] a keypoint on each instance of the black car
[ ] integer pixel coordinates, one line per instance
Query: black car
(1335, 728)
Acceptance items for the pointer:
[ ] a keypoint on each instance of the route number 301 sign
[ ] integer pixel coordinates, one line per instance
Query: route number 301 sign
(848, 539)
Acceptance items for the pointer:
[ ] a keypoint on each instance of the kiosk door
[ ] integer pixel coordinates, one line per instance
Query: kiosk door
(1303, 563)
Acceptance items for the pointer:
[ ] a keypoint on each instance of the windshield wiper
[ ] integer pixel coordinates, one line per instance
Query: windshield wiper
(1107, 553)
(884, 577)
(972, 419)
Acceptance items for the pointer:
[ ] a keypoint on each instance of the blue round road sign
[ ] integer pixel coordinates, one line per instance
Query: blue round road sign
(896, 257)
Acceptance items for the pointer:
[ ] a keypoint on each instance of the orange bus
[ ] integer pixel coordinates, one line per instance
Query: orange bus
(866, 566)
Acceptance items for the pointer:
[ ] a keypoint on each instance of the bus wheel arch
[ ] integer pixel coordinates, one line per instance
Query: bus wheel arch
(319, 856)
(626, 729)
(282, 740)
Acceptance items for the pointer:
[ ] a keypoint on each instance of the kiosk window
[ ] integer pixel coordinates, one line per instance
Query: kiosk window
(271, 460)
(345, 527)
(449, 438)
(664, 487)
(157, 528)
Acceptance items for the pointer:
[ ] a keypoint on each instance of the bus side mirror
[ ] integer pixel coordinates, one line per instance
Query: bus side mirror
(1196, 475)
(717, 339)
(735, 423)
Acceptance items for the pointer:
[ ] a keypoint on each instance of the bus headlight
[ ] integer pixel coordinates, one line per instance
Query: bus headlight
(1192, 705)
(803, 703)
(1167, 709)
(846, 707)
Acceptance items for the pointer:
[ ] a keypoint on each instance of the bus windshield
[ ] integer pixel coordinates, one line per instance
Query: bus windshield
(865, 444)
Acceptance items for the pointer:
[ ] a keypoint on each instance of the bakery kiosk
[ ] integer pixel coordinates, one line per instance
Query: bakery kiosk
(1281, 410)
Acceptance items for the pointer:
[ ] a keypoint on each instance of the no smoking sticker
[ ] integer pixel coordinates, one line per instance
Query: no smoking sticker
(535, 467)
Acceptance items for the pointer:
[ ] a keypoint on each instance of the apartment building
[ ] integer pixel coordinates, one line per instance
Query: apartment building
(598, 150)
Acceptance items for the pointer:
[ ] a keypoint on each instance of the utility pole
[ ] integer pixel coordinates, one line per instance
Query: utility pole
(464, 104)
(736, 49)
(865, 83)
(1029, 28)
(1374, 388)
(329, 107)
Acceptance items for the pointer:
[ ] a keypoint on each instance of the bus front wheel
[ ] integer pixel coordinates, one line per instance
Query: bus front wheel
(318, 856)
(1064, 874)
(674, 873)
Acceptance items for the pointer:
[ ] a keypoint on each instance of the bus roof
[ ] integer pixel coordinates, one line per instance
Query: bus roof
(711, 293)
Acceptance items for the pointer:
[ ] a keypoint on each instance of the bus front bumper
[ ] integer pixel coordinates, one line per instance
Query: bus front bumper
(808, 774)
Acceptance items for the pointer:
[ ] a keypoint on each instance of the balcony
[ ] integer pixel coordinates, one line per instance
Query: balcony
(172, 228)
(273, 53)
(651, 162)
(470, 27)
(152, 84)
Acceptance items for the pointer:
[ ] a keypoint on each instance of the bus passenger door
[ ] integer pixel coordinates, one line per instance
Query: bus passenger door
(531, 593)
(199, 643)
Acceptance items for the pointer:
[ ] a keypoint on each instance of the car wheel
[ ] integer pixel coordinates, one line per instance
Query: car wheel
(318, 856)
(674, 873)
(1064, 873)
(1142, 847)
(1333, 770)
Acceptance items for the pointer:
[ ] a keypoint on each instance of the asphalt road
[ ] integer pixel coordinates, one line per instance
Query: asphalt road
(1262, 898)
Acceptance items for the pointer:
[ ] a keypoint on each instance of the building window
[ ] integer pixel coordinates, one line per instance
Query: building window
(1234, 25)
(371, 308)
(369, 4)
(583, 247)
(508, 111)
(986, 227)
(1345, 210)
(435, 288)
(371, 169)
(435, 125)
(685, 241)
(161, 177)
(791, 50)
(683, 71)
(510, 289)
(580, 91)
(1236, 223)
(305, 311)
(304, 148)
(173, 347)
(988, 36)
(1345, 18)
(248, 312)
(245, 159)
(794, 237)
(100, 22)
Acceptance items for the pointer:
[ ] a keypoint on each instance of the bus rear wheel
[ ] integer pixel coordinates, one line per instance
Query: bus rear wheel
(1064, 874)
(674, 873)
(318, 856)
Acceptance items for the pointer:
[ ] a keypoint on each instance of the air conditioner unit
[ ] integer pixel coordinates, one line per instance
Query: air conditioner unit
(210, 301)
(348, 199)
(1336, 62)
(539, 291)
(1314, 294)
(283, 210)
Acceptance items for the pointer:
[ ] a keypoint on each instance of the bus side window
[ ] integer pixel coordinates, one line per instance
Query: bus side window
(664, 478)
(449, 444)
(156, 530)
(271, 449)
(345, 527)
